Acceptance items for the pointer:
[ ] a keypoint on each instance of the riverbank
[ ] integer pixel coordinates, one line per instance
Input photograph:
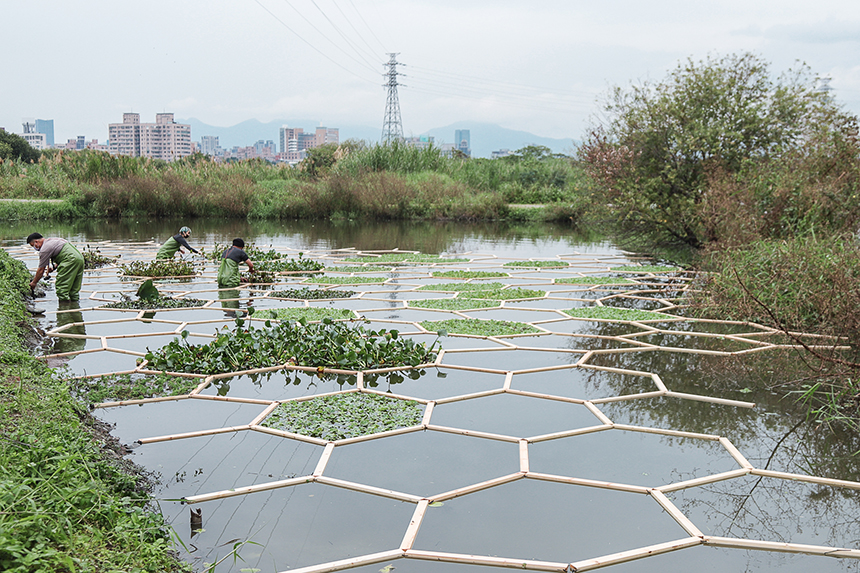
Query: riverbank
(68, 500)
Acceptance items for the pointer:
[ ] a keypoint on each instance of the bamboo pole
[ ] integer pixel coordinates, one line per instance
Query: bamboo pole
(600, 415)
(625, 556)
(676, 513)
(349, 563)
(781, 547)
(196, 434)
(473, 433)
(735, 453)
(323, 462)
(236, 399)
(696, 482)
(283, 434)
(142, 401)
(710, 399)
(462, 397)
(477, 487)
(628, 397)
(664, 432)
(543, 396)
(414, 525)
(382, 492)
(589, 483)
(524, 456)
(569, 433)
(428, 412)
(223, 494)
(262, 416)
(547, 368)
(659, 383)
(368, 437)
(806, 479)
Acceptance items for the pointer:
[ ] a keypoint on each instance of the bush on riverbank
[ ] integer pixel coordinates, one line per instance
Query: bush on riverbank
(67, 500)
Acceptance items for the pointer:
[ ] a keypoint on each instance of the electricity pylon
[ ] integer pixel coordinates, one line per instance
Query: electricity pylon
(392, 127)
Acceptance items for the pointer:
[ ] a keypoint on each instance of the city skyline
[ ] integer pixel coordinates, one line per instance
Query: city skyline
(536, 67)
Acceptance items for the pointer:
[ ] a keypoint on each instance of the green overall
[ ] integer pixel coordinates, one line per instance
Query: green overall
(228, 274)
(70, 272)
(168, 249)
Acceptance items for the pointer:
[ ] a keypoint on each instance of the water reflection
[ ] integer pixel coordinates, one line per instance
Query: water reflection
(68, 313)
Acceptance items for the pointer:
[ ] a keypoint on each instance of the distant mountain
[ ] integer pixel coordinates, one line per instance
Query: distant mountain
(485, 137)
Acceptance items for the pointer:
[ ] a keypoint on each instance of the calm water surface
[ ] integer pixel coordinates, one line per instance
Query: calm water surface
(527, 519)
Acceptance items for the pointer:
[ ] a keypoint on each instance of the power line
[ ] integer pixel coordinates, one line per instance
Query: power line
(338, 30)
(367, 26)
(349, 21)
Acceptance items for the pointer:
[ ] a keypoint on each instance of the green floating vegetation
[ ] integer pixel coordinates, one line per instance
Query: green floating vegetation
(327, 344)
(404, 258)
(119, 387)
(453, 303)
(312, 294)
(537, 264)
(344, 416)
(158, 268)
(309, 314)
(469, 274)
(93, 259)
(462, 287)
(161, 302)
(645, 269)
(269, 261)
(358, 269)
(594, 281)
(479, 327)
(508, 294)
(345, 280)
(613, 313)
(259, 276)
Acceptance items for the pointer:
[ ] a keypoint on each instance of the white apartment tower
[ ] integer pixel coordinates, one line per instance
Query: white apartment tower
(164, 139)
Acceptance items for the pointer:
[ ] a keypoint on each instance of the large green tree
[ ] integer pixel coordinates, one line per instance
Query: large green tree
(16, 147)
(659, 143)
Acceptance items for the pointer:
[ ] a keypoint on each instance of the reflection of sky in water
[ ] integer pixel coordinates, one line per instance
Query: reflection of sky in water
(309, 524)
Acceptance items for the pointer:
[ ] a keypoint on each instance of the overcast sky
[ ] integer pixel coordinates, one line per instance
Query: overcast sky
(537, 65)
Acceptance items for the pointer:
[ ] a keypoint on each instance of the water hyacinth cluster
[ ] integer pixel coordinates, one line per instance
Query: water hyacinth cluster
(327, 344)
(312, 294)
(158, 268)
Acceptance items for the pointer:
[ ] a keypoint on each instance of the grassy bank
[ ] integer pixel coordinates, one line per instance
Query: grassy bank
(68, 502)
(352, 181)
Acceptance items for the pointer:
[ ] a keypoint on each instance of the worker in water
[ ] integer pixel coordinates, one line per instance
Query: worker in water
(175, 243)
(228, 273)
(66, 260)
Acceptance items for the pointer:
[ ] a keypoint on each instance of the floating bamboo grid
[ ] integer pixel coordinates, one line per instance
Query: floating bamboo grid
(645, 288)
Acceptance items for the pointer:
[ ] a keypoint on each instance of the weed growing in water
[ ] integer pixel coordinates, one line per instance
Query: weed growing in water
(612, 313)
(344, 416)
(469, 274)
(462, 287)
(536, 264)
(309, 314)
(93, 259)
(453, 303)
(312, 294)
(594, 281)
(479, 327)
(119, 387)
(158, 268)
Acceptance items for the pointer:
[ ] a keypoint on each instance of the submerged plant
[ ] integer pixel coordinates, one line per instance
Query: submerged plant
(119, 387)
(344, 416)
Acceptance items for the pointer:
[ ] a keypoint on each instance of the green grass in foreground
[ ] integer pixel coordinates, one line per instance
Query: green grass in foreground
(453, 303)
(469, 275)
(66, 504)
(611, 313)
(345, 416)
(310, 314)
(479, 327)
(462, 287)
(594, 281)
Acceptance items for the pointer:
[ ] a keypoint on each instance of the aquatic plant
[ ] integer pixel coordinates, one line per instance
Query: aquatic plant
(403, 258)
(327, 344)
(453, 303)
(645, 269)
(469, 274)
(93, 258)
(537, 264)
(358, 269)
(308, 313)
(612, 313)
(594, 281)
(162, 302)
(508, 294)
(158, 268)
(312, 294)
(344, 416)
(479, 327)
(462, 287)
(345, 280)
(119, 387)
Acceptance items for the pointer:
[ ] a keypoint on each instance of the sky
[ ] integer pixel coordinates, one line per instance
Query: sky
(539, 66)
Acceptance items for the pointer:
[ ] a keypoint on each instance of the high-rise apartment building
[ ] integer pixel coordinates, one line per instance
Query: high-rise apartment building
(463, 141)
(165, 139)
(209, 145)
(325, 135)
(34, 139)
(46, 126)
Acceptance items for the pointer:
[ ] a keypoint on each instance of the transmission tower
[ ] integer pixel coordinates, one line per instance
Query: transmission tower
(392, 127)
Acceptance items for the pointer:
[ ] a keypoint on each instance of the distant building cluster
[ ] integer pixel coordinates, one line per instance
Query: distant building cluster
(165, 139)
(462, 143)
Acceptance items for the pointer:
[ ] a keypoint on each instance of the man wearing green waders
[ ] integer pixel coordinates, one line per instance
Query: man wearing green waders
(67, 260)
(228, 273)
(175, 243)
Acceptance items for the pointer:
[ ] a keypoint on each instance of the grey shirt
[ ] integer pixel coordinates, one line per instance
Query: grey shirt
(50, 249)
